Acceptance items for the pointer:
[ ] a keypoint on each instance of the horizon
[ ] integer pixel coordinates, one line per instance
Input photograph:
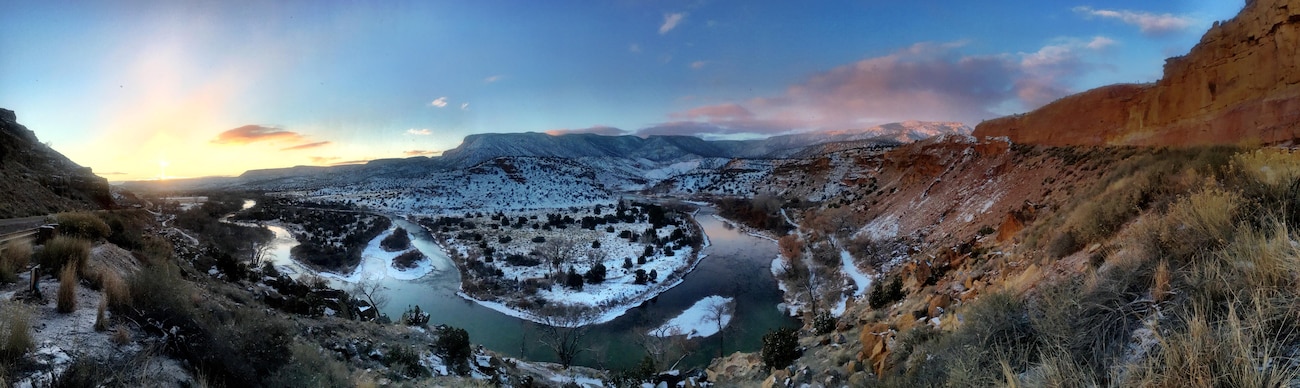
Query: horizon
(199, 90)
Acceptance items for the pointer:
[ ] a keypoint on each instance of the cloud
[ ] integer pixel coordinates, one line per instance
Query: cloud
(441, 102)
(1100, 43)
(1148, 23)
(255, 133)
(699, 64)
(671, 21)
(307, 146)
(419, 132)
(464, 106)
(413, 153)
(323, 159)
(634, 48)
(926, 81)
(110, 173)
(358, 161)
(492, 79)
(599, 130)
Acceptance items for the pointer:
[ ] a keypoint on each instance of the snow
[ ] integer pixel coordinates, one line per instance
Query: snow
(699, 319)
(378, 263)
(860, 279)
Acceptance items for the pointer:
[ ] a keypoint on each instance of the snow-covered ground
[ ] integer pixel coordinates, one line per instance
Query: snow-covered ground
(378, 263)
(702, 319)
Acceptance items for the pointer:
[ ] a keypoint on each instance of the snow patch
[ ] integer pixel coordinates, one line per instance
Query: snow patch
(699, 320)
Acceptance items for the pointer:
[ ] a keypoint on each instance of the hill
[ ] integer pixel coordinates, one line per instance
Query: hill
(37, 180)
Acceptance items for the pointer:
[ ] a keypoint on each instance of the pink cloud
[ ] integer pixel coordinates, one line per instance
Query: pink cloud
(255, 133)
(598, 130)
(307, 146)
(421, 153)
(926, 81)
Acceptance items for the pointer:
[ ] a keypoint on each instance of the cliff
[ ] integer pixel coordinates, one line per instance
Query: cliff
(1240, 84)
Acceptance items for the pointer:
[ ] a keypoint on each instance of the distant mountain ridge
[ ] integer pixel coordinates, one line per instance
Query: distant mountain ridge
(669, 149)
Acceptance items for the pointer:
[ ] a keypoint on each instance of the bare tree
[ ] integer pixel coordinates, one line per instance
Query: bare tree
(559, 251)
(372, 290)
(666, 345)
(721, 314)
(260, 251)
(564, 329)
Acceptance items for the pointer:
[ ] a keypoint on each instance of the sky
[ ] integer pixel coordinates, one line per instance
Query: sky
(142, 90)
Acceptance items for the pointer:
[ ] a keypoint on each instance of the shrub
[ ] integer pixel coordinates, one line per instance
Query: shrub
(780, 348)
(596, 274)
(14, 257)
(61, 251)
(67, 299)
(82, 224)
(882, 294)
(121, 335)
(573, 280)
(310, 367)
(823, 323)
(453, 346)
(405, 361)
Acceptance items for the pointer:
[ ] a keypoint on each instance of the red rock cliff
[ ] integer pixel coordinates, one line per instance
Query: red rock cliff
(1240, 84)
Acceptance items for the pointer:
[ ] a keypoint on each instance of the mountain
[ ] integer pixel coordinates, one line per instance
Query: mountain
(36, 180)
(619, 162)
(1241, 83)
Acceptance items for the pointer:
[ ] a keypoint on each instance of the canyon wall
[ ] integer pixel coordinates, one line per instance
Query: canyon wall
(1239, 85)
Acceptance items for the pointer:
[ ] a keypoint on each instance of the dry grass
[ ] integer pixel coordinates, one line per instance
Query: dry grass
(15, 331)
(121, 335)
(14, 257)
(82, 224)
(67, 298)
(1201, 222)
(116, 293)
(101, 322)
(63, 250)
(1160, 287)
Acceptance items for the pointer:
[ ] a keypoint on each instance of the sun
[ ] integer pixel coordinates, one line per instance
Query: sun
(162, 170)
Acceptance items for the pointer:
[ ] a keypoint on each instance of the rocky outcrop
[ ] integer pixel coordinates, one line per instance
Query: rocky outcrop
(1240, 84)
(37, 180)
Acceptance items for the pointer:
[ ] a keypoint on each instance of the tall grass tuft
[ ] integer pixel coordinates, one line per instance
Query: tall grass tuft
(15, 331)
(1201, 222)
(61, 251)
(14, 257)
(116, 294)
(67, 298)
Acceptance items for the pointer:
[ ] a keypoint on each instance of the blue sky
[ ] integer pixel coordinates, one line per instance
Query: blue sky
(216, 88)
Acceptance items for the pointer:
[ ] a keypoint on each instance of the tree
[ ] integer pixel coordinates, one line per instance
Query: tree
(720, 314)
(453, 347)
(596, 274)
(564, 329)
(573, 280)
(397, 241)
(261, 250)
(780, 348)
(372, 290)
(559, 250)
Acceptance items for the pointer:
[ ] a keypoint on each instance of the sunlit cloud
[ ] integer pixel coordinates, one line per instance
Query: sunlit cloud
(323, 159)
(1148, 23)
(441, 102)
(358, 161)
(255, 133)
(419, 132)
(413, 153)
(671, 21)
(926, 81)
(598, 130)
(307, 146)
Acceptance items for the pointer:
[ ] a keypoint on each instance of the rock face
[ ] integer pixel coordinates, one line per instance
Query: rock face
(37, 180)
(1240, 84)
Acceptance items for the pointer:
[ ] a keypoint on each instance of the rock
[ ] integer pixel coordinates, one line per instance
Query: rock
(938, 304)
(852, 367)
(1240, 84)
(875, 347)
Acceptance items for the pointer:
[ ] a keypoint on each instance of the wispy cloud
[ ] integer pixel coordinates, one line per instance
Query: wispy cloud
(323, 159)
(441, 102)
(926, 81)
(598, 130)
(1148, 23)
(699, 64)
(494, 78)
(1100, 43)
(307, 146)
(634, 48)
(671, 21)
(256, 133)
(464, 106)
(413, 153)
(419, 132)
(358, 161)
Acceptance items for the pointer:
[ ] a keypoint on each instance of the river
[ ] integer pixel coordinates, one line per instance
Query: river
(737, 266)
